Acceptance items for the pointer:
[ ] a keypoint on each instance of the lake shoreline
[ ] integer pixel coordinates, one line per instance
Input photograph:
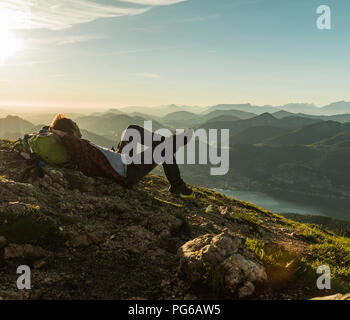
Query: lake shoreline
(286, 203)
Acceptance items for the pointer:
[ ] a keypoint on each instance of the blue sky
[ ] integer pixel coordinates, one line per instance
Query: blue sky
(196, 52)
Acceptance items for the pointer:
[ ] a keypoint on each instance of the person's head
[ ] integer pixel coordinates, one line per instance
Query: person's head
(63, 123)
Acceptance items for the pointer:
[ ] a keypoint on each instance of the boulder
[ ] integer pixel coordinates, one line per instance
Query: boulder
(222, 262)
(3, 242)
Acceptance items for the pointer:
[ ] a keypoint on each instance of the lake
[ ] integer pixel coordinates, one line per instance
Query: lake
(330, 208)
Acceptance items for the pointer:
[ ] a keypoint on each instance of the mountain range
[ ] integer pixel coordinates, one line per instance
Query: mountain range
(291, 153)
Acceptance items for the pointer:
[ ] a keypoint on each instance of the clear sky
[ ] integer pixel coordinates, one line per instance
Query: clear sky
(112, 53)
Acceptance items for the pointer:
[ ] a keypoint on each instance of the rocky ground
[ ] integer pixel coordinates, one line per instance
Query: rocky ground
(89, 238)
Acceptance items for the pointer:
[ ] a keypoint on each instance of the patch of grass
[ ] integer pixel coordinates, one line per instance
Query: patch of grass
(29, 229)
(249, 219)
(281, 266)
(270, 255)
(170, 203)
(34, 206)
(215, 200)
(256, 208)
(32, 227)
(326, 248)
(311, 233)
(337, 226)
(336, 255)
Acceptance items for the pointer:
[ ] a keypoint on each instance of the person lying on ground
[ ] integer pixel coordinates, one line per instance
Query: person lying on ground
(94, 160)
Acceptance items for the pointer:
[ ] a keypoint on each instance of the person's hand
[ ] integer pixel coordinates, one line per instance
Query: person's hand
(58, 132)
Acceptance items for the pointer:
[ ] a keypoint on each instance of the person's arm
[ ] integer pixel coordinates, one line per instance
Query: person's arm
(73, 145)
(75, 148)
(58, 132)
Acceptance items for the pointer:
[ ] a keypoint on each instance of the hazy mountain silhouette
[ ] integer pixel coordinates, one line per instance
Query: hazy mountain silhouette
(111, 125)
(234, 113)
(282, 114)
(301, 108)
(13, 127)
(254, 135)
(242, 107)
(337, 108)
(265, 119)
(160, 111)
(310, 134)
(180, 115)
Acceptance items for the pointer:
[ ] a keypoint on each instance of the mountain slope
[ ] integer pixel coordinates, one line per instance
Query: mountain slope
(111, 125)
(337, 108)
(247, 107)
(179, 115)
(310, 134)
(254, 135)
(265, 119)
(301, 107)
(89, 238)
(234, 113)
(14, 127)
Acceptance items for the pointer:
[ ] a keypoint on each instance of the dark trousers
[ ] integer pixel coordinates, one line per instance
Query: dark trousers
(135, 172)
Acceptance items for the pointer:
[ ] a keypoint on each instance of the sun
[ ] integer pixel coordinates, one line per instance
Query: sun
(10, 44)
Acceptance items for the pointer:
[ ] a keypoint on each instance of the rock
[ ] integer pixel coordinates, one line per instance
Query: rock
(3, 242)
(189, 296)
(222, 260)
(17, 208)
(246, 291)
(39, 264)
(239, 269)
(337, 296)
(36, 295)
(87, 187)
(165, 234)
(24, 251)
(77, 241)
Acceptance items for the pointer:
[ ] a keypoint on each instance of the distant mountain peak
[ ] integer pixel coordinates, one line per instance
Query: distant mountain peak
(337, 107)
(266, 116)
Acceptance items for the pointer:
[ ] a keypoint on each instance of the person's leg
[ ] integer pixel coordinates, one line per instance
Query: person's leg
(152, 140)
(135, 172)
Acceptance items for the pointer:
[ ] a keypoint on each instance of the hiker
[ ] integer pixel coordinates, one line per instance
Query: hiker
(94, 160)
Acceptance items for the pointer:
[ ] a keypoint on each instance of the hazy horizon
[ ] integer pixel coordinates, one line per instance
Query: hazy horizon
(91, 109)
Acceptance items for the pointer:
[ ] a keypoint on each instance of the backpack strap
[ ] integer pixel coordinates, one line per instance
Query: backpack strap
(35, 165)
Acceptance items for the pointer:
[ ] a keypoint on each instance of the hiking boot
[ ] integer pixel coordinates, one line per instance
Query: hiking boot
(182, 190)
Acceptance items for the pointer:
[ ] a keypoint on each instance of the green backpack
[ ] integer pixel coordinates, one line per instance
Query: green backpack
(46, 145)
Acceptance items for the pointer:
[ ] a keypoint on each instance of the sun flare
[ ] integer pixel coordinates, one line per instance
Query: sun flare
(10, 44)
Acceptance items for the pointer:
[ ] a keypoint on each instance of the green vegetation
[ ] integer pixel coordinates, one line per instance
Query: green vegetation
(30, 227)
(339, 227)
(324, 248)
